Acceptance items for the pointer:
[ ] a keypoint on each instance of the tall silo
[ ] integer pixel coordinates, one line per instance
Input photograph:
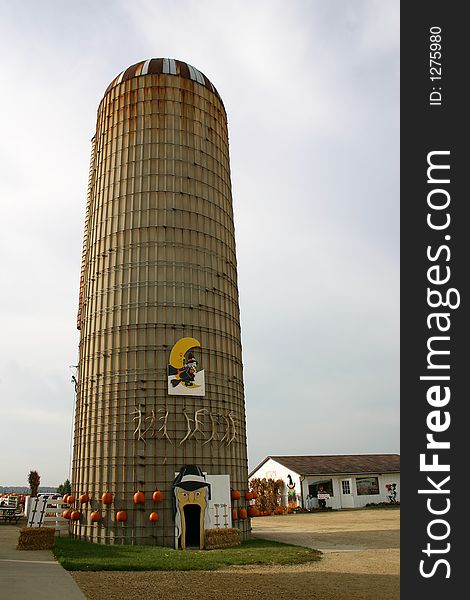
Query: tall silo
(160, 380)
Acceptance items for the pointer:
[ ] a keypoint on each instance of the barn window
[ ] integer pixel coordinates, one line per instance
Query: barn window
(367, 486)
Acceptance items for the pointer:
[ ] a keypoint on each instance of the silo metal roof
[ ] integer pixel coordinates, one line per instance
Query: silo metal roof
(165, 66)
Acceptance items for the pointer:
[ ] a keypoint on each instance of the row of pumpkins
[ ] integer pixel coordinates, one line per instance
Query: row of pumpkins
(139, 497)
(157, 496)
(107, 498)
(121, 515)
(236, 495)
(96, 516)
(243, 513)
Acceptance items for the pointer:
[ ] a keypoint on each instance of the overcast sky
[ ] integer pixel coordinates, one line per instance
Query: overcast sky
(311, 90)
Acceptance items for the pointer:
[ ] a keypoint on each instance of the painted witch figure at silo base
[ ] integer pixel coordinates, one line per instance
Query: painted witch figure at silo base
(191, 494)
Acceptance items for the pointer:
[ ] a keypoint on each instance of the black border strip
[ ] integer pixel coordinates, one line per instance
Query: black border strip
(433, 123)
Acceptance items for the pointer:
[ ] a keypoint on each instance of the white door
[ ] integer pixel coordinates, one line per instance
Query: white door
(345, 488)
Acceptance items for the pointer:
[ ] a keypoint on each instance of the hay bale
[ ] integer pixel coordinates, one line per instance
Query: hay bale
(40, 538)
(221, 538)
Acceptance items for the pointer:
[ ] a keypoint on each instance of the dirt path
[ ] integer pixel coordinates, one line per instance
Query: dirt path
(360, 562)
(342, 530)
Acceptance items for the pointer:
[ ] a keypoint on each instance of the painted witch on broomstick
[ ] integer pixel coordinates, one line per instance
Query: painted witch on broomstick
(186, 374)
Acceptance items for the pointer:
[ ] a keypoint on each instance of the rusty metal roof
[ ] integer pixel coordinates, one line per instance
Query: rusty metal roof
(163, 66)
(344, 464)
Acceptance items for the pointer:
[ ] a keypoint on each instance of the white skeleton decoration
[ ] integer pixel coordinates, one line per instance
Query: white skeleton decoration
(194, 426)
(163, 429)
(230, 431)
(214, 429)
(138, 433)
(198, 423)
(188, 426)
(152, 424)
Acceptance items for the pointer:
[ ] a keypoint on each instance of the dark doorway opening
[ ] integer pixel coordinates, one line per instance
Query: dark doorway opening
(326, 485)
(192, 515)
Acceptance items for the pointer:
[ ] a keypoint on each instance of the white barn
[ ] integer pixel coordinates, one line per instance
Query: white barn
(350, 480)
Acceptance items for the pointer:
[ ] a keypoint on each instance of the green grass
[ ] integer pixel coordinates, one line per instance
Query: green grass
(76, 555)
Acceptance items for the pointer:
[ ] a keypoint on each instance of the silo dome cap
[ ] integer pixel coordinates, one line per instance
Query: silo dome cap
(163, 66)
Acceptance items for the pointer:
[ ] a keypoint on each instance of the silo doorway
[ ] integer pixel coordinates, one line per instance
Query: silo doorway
(192, 517)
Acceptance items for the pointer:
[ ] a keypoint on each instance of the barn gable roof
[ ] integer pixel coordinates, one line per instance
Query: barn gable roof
(339, 464)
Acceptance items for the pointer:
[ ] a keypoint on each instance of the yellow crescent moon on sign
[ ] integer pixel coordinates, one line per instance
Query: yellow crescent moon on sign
(179, 350)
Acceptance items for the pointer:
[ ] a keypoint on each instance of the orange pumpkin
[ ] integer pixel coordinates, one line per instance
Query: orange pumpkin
(95, 517)
(84, 498)
(76, 514)
(248, 496)
(139, 498)
(157, 496)
(64, 498)
(67, 513)
(153, 517)
(252, 512)
(234, 514)
(242, 514)
(235, 495)
(70, 499)
(121, 516)
(254, 494)
(107, 498)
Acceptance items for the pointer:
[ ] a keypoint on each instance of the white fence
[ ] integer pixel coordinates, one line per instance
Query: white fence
(45, 512)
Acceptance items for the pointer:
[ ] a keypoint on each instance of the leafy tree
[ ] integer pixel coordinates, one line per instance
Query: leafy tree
(65, 488)
(34, 479)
